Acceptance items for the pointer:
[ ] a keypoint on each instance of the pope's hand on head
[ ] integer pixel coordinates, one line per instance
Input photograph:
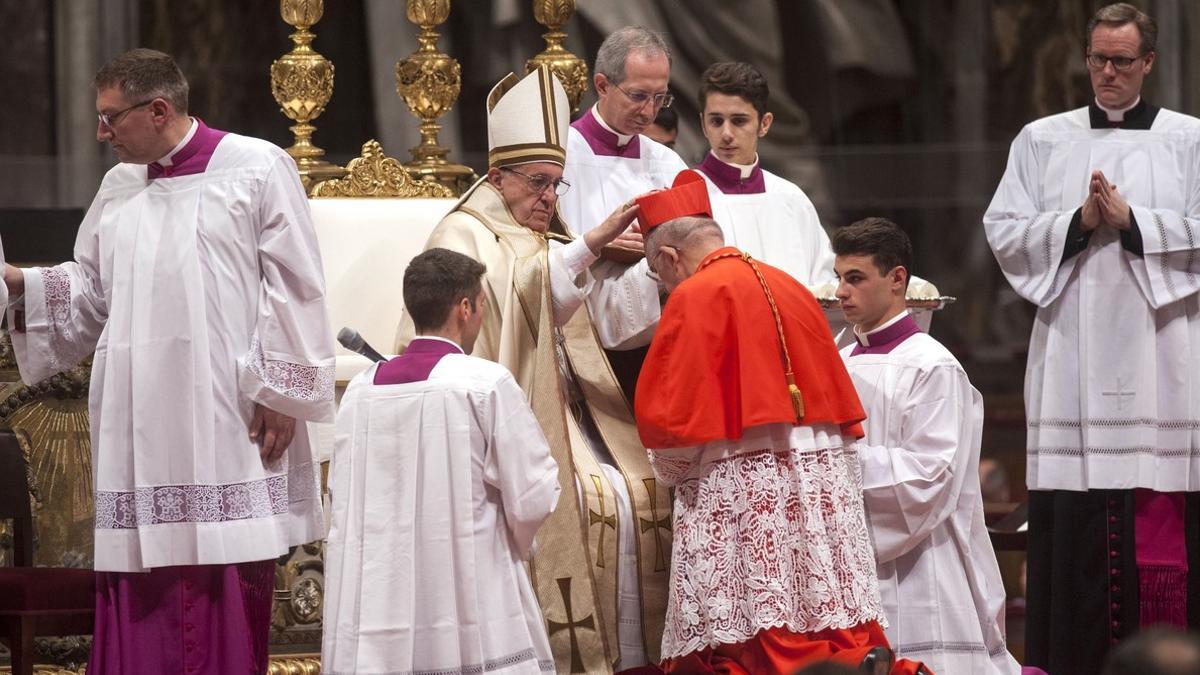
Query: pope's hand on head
(618, 228)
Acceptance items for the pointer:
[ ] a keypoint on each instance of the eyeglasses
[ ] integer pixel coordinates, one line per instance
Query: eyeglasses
(1119, 63)
(650, 263)
(661, 100)
(539, 183)
(110, 119)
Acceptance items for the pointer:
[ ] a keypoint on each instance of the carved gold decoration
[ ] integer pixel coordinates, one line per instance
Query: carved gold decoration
(295, 665)
(429, 82)
(571, 70)
(299, 590)
(374, 174)
(302, 83)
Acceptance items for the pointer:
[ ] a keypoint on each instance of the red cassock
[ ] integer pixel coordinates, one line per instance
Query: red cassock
(715, 366)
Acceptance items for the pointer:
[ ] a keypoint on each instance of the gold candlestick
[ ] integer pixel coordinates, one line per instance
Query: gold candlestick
(571, 70)
(429, 82)
(302, 83)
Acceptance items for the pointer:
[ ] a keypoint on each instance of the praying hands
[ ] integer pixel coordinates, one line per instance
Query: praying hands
(1104, 205)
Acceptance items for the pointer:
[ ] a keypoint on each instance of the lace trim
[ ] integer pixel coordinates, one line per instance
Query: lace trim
(56, 285)
(146, 506)
(939, 646)
(769, 539)
(294, 380)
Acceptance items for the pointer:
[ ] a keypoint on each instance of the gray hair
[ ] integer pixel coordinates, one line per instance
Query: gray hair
(144, 75)
(1120, 14)
(682, 233)
(616, 48)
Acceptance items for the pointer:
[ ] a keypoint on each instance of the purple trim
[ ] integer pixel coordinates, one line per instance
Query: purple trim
(191, 158)
(604, 142)
(1160, 546)
(415, 364)
(728, 179)
(884, 341)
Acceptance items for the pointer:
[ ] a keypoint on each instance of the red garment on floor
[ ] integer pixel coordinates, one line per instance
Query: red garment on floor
(779, 651)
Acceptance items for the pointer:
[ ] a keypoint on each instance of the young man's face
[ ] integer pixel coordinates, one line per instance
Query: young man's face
(665, 136)
(474, 322)
(868, 298)
(646, 76)
(733, 127)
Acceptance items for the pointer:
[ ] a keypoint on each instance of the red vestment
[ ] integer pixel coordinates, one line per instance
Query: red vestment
(715, 366)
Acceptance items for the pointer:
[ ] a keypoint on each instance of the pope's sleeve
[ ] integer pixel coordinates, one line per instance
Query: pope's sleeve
(289, 364)
(58, 321)
(912, 484)
(518, 463)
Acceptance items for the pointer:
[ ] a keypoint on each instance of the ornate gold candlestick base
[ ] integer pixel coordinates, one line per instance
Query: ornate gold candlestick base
(429, 81)
(302, 83)
(571, 70)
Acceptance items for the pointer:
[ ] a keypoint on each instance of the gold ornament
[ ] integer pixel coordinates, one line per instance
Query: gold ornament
(374, 174)
(302, 83)
(571, 70)
(429, 82)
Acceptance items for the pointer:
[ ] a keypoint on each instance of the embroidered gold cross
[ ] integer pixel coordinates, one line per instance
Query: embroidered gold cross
(657, 524)
(564, 587)
(593, 518)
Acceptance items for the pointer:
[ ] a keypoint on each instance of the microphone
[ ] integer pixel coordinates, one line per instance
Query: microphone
(350, 339)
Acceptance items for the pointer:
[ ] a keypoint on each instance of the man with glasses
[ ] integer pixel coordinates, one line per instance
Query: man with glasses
(1096, 222)
(197, 283)
(610, 161)
(540, 329)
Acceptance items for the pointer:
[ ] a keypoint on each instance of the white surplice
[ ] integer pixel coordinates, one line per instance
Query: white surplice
(941, 588)
(439, 487)
(779, 227)
(1112, 386)
(201, 295)
(600, 184)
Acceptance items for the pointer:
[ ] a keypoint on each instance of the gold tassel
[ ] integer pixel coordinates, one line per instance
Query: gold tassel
(797, 397)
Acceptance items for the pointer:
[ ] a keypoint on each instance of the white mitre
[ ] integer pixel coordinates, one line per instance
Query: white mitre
(527, 120)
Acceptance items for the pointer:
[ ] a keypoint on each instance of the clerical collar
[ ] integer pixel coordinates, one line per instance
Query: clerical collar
(1139, 116)
(425, 343)
(603, 140)
(191, 156)
(886, 337)
(165, 160)
(733, 179)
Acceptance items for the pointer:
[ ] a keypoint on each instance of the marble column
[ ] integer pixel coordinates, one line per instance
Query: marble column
(86, 35)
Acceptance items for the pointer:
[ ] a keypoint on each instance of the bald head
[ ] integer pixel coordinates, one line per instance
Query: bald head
(675, 248)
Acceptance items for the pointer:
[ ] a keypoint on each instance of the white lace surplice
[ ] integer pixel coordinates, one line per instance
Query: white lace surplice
(769, 532)
(201, 295)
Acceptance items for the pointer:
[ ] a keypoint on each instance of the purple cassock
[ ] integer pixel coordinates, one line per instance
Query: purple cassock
(604, 142)
(728, 179)
(415, 364)
(193, 618)
(884, 341)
